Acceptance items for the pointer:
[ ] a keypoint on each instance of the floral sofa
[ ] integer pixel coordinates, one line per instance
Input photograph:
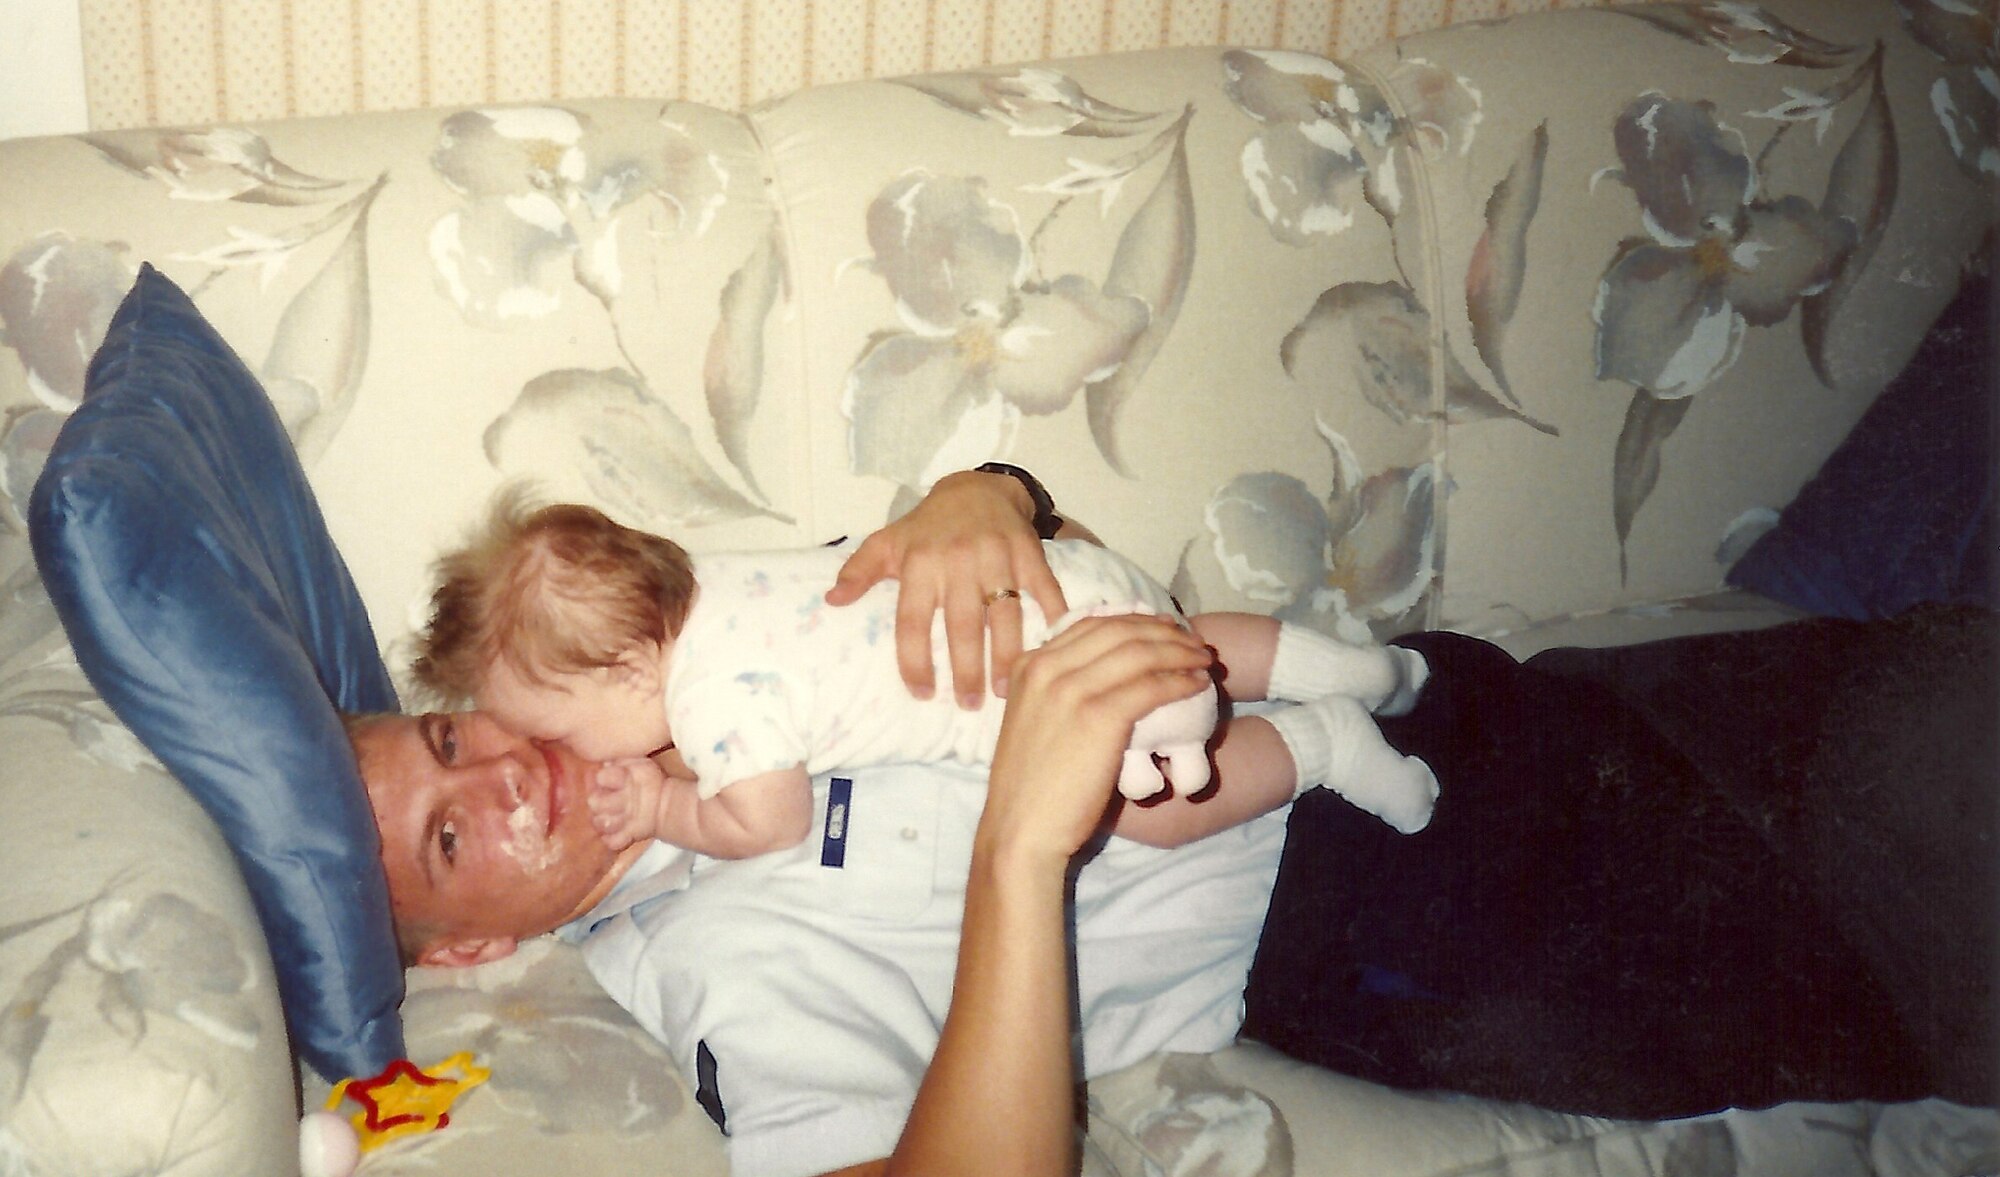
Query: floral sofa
(1528, 329)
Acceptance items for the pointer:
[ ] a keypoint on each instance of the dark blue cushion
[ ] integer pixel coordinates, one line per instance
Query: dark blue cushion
(184, 550)
(1902, 513)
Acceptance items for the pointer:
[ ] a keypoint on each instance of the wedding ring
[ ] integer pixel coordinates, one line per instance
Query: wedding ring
(1005, 594)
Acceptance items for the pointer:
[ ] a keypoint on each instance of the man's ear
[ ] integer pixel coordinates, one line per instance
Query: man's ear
(459, 954)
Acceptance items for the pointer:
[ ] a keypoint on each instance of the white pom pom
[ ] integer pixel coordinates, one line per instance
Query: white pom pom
(328, 1146)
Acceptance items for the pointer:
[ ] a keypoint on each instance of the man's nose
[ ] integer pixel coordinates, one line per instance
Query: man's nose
(501, 783)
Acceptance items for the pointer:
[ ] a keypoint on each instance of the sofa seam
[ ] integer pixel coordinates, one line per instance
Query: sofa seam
(782, 229)
(1431, 261)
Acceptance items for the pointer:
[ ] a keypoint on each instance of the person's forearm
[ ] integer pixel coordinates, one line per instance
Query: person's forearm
(998, 1097)
(749, 817)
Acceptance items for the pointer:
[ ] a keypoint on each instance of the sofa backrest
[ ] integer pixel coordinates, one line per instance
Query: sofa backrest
(1486, 327)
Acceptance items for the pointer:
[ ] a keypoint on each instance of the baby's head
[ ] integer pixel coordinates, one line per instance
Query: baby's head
(556, 621)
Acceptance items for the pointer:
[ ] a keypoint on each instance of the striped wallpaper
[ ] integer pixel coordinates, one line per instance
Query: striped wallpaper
(154, 62)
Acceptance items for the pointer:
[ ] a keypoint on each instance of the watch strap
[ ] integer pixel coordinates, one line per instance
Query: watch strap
(1046, 522)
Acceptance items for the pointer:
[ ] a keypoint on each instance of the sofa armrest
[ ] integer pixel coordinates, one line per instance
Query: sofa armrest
(141, 1029)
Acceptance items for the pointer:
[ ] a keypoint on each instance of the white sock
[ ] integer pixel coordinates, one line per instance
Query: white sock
(1307, 664)
(1334, 743)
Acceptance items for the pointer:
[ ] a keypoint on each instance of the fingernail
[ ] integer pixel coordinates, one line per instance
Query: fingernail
(922, 692)
(969, 701)
(1000, 685)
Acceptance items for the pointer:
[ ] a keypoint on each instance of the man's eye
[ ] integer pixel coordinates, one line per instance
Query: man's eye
(448, 843)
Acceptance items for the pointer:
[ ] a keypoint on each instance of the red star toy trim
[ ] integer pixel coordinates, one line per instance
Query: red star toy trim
(404, 1100)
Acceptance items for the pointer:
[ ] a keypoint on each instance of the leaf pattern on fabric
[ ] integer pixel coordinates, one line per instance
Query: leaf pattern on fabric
(564, 1057)
(92, 729)
(733, 375)
(220, 163)
(57, 296)
(1106, 177)
(1380, 335)
(162, 956)
(1202, 1125)
(605, 433)
(1324, 134)
(1320, 134)
(1861, 190)
(27, 432)
(1748, 33)
(23, 1025)
(320, 348)
(1359, 565)
(1500, 257)
(1437, 111)
(1966, 98)
(984, 341)
(543, 189)
(1635, 462)
(1031, 101)
(27, 617)
(1154, 259)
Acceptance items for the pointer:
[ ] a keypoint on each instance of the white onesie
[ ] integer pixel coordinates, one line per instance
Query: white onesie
(765, 675)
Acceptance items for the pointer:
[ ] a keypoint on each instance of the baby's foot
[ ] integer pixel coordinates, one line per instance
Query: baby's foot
(1334, 742)
(1411, 674)
(1401, 790)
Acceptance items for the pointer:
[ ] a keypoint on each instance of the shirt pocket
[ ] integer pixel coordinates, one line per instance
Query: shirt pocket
(877, 848)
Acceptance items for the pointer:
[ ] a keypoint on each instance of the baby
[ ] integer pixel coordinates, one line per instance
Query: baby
(567, 626)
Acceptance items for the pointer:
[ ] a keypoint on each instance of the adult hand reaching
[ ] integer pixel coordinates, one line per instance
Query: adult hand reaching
(996, 1100)
(970, 536)
(1070, 720)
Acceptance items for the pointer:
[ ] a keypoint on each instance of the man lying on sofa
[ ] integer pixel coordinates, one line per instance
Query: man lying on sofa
(1594, 921)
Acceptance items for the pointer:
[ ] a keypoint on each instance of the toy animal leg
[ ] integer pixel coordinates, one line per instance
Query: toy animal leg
(1187, 768)
(1178, 732)
(1138, 777)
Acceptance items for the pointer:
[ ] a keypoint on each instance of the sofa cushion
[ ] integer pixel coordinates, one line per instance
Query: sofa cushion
(205, 601)
(1902, 512)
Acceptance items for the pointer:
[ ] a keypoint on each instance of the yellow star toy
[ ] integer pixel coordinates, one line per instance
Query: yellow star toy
(404, 1100)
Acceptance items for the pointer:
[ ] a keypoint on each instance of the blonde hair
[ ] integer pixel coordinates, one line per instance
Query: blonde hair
(549, 590)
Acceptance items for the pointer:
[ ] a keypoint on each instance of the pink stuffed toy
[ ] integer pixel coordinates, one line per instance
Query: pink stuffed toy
(1177, 733)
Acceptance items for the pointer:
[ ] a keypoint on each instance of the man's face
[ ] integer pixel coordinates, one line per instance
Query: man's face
(486, 836)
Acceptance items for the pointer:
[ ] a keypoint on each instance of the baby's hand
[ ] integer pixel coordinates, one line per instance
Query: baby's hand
(625, 801)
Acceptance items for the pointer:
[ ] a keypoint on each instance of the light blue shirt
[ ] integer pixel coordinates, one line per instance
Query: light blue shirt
(817, 977)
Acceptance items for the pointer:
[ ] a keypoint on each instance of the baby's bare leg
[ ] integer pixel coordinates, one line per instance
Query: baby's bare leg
(1261, 761)
(1244, 645)
(1253, 775)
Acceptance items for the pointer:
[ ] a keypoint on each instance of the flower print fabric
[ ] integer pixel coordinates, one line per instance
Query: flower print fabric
(1718, 256)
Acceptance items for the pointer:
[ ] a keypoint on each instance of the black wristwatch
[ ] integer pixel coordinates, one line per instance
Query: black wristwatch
(1047, 522)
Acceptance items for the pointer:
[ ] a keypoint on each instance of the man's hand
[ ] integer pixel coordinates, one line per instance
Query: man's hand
(970, 536)
(1070, 720)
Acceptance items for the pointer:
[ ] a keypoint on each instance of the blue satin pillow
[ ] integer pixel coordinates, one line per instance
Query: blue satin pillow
(205, 601)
